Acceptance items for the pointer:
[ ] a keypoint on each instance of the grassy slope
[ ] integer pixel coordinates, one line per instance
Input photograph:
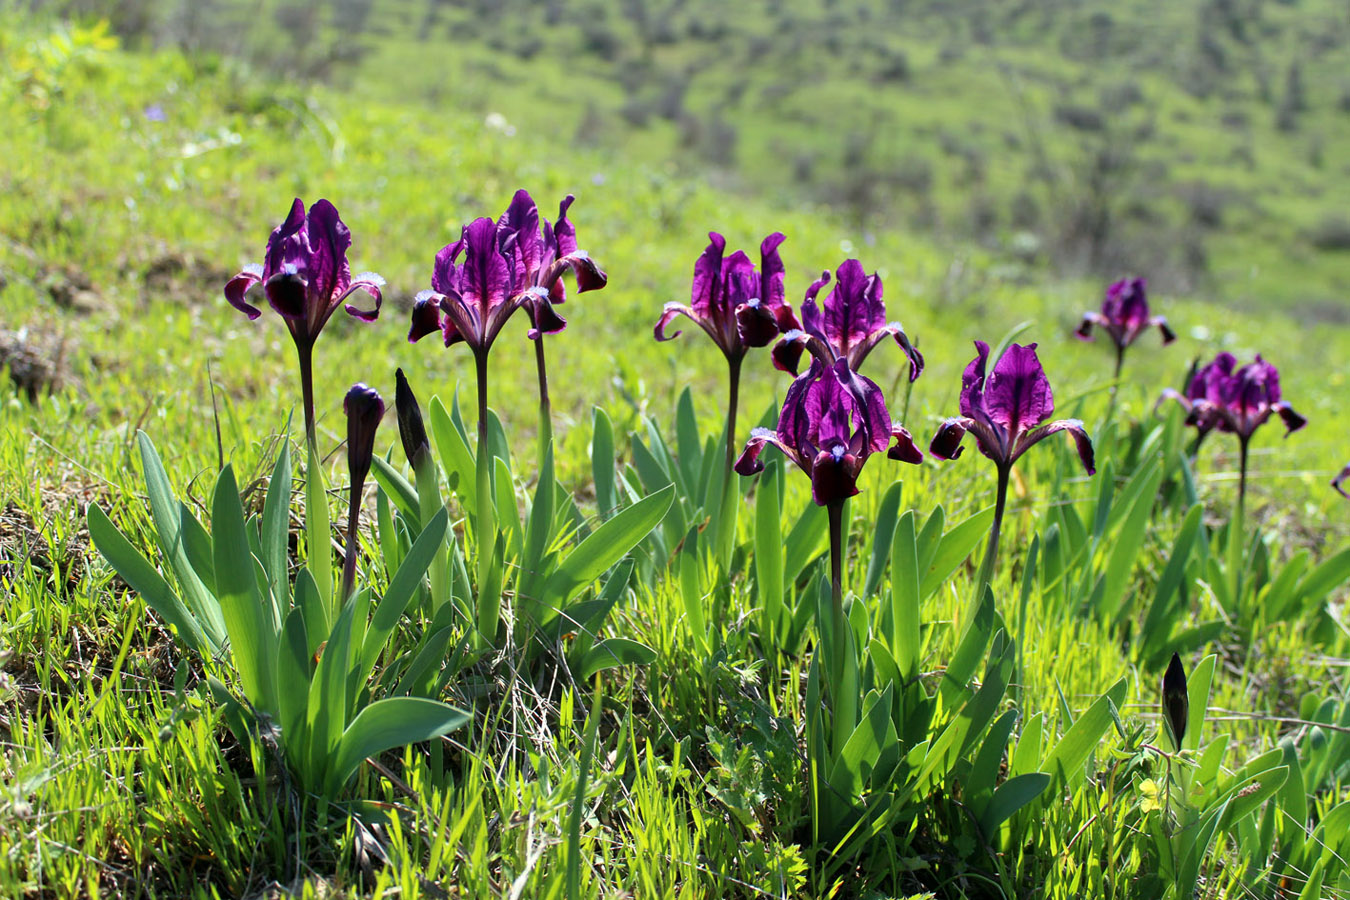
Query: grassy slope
(89, 183)
(1186, 104)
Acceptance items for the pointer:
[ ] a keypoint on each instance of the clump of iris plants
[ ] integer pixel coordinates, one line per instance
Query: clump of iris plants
(306, 277)
(1006, 409)
(1236, 401)
(1124, 317)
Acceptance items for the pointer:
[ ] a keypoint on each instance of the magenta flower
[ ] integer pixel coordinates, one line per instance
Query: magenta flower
(1005, 410)
(1236, 402)
(832, 420)
(306, 278)
(852, 325)
(738, 306)
(1125, 315)
(496, 268)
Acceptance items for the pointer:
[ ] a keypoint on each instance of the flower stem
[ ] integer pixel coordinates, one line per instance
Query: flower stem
(990, 563)
(843, 707)
(489, 607)
(1243, 442)
(353, 520)
(541, 365)
(733, 400)
(304, 349)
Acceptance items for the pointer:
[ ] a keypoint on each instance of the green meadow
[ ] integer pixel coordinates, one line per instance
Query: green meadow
(602, 677)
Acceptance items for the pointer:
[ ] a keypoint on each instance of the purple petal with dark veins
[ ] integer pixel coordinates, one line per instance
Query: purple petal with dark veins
(756, 324)
(288, 243)
(1292, 420)
(445, 273)
(904, 449)
(1017, 394)
(972, 381)
(706, 298)
(946, 444)
(371, 284)
(287, 291)
(564, 234)
(1168, 335)
(771, 271)
(485, 278)
(834, 476)
(521, 221)
(329, 241)
(749, 463)
(238, 286)
(1075, 428)
(671, 311)
(787, 353)
(544, 319)
(426, 316)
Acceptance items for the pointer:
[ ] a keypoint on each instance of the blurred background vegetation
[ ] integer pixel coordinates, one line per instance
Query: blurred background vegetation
(1200, 143)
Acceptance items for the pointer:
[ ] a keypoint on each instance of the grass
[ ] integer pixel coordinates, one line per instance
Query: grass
(119, 780)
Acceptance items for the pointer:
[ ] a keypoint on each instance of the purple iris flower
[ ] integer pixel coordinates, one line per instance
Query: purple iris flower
(1005, 410)
(506, 265)
(1236, 402)
(852, 325)
(496, 268)
(364, 408)
(306, 278)
(1125, 315)
(1340, 479)
(738, 306)
(832, 420)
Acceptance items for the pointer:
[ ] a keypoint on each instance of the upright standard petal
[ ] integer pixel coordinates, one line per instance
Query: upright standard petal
(485, 277)
(1017, 394)
(972, 381)
(329, 241)
(518, 231)
(705, 295)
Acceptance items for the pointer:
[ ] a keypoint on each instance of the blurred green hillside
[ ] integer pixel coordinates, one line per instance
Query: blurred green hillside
(1202, 144)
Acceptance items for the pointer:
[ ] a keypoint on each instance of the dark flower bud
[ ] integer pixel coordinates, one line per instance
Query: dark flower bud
(410, 428)
(1175, 701)
(364, 408)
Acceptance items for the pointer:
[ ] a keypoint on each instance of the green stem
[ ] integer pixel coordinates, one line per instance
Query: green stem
(489, 608)
(545, 406)
(990, 563)
(349, 565)
(304, 349)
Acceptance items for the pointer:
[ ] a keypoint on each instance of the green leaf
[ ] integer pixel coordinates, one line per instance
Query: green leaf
(602, 463)
(687, 441)
(769, 554)
(539, 528)
(883, 528)
(169, 525)
(402, 588)
(955, 548)
(1065, 764)
(1324, 579)
(508, 513)
(293, 671)
(1197, 690)
(610, 653)
(905, 597)
(1010, 796)
(399, 490)
(253, 643)
(386, 724)
(276, 524)
(456, 458)
(1127, 542)
(606, 546)
(1171, 579)
(327, 709)
(137, 571)
(319, 531)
